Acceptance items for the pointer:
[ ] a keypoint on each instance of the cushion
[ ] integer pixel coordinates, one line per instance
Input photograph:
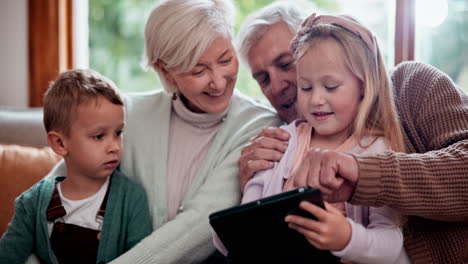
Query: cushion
(20, 168)
(22, 127)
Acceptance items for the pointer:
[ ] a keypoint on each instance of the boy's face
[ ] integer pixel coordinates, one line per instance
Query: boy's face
(94, 144)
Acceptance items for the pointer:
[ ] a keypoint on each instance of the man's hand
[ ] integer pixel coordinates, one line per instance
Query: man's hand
(334, 173)
(261, 153)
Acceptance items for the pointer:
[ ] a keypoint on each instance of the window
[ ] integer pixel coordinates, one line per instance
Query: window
(116, 36)
(50, 44)
(116, 42)
(438, 32)
(442, 37)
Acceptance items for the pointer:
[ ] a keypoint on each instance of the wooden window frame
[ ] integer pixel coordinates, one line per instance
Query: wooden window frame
(404, 30)
(50, 44)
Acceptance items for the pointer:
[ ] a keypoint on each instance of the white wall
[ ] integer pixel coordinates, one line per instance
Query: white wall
(13, 53)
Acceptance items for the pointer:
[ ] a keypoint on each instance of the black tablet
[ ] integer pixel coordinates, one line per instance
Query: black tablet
(256, 232)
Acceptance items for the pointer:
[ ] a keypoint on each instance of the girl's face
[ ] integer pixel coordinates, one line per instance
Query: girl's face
(209, 86)
(329, 94)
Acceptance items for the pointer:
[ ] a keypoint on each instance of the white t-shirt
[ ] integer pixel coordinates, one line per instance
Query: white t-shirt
(82, 212)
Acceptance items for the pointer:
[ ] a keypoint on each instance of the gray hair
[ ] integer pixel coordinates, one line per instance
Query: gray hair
(258, 23)
(178, 32)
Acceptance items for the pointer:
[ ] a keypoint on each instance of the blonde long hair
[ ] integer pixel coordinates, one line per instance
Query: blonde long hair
(377, 113)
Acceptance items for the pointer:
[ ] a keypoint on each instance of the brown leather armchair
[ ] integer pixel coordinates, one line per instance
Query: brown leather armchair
(24, 157)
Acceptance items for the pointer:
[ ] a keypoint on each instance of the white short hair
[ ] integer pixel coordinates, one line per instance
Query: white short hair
(178, 32)
(258, 23)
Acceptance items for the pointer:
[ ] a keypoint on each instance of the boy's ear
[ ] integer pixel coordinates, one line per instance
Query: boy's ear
(56, 142)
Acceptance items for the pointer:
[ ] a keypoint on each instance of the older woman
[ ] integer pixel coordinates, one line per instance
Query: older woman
(183, 143)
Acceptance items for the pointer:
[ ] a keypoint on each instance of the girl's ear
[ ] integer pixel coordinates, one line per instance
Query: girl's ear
(167, 74)
(56, 141)
(361, 90)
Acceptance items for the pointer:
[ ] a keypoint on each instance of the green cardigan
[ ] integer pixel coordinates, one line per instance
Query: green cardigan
(126, 222)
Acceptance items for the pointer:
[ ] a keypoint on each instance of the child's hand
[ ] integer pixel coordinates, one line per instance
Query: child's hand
(331, 230)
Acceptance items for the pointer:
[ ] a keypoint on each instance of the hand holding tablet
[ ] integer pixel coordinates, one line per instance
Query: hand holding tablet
(257, 232)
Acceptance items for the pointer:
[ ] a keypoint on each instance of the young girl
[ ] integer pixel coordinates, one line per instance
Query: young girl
(345, 97)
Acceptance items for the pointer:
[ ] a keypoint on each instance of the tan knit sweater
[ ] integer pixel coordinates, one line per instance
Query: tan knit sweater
(432, 188)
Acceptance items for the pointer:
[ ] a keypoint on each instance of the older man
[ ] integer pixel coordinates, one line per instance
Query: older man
(263, 43)
(429, 185)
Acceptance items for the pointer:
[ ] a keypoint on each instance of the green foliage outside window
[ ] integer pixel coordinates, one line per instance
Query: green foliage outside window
(446, 46)
(116, 39)
(116, 42)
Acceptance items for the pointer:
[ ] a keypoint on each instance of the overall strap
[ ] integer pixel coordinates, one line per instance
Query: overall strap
(55, 208)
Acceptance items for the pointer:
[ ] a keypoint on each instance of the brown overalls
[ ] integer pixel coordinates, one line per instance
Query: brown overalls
(72, 243)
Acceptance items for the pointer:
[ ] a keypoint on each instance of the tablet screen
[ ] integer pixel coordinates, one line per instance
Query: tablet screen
(257, 232)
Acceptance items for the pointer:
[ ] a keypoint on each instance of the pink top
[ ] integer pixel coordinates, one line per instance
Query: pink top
(376, 237)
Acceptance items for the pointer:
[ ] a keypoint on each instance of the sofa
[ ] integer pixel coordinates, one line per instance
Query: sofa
(25, 157)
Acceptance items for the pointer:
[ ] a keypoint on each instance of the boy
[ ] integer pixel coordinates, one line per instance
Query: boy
(95, 213)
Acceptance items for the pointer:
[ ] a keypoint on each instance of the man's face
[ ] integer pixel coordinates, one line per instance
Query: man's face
(273, 68)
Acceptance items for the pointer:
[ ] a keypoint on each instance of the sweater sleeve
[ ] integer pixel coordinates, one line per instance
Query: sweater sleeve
(380, 242)
(267, 182)
(253, 191)
(188, 238)
(18, 241)
(432, 181)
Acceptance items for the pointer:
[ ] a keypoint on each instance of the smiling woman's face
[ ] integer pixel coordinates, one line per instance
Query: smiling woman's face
(208, 87)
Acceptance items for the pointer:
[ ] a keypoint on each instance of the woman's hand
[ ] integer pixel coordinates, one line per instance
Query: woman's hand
(331, 230)
(261, 153)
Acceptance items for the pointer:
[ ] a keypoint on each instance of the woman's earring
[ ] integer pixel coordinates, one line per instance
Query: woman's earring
(174, 96)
